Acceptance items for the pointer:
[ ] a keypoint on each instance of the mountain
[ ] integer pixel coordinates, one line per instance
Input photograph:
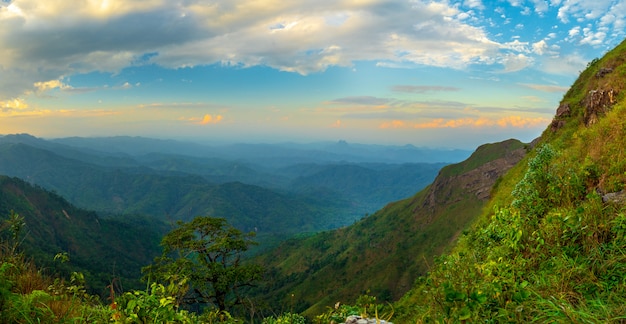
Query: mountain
(110, 179)
(183, 196)
(269, 155)
(370, 185)
(103, 249)
(385, 252)
(551, 245)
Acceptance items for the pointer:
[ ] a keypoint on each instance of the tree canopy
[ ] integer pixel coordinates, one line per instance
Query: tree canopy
(204, 258)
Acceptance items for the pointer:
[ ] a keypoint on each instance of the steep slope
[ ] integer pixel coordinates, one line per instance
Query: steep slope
(385, 252)
(102, 249)
(551, 246)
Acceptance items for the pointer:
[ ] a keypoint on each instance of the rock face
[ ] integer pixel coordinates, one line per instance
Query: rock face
(596, 103)
(562, 112)
(477, 181)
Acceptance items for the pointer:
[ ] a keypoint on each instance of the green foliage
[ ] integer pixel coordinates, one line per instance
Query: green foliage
(205, 255)
(286, 318)
(552, 248)
(154, 306)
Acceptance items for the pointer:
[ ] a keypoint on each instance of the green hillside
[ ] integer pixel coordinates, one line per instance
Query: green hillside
(551, 247)
(385, 252)
(102, 249)
(165, 196)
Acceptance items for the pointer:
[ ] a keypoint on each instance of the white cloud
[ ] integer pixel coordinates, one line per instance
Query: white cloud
(592, 38)
(571, 64)
(540, 47)
(46, 40)
(581, 10)
(517, 46)
(474, 4)
(516, 62)
(541, 6)
(574, 32)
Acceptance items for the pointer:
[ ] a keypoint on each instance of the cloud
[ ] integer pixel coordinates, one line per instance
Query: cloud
(48, 85)
(13, 104)
(480, 122)
(570, 64)
(336, 124)
(423, 89)
(361, 101)
(516, 62)
(44, 41)
(540, 47)
(205, 120)
(394, 124)
(474, 4)
(545, 87)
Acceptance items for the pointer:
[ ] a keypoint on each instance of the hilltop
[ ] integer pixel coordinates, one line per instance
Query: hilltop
(550, 246)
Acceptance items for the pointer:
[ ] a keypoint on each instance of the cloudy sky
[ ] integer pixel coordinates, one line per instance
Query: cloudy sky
(429, 73)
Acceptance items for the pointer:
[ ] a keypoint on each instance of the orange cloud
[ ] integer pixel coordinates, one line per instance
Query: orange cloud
(52, 84)
(394, 124)
(336, 124)
(521, 122)
(17, 103)
(508, 121)
(208, 119)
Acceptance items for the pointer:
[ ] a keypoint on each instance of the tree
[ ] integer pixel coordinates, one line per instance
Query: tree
(204, 257)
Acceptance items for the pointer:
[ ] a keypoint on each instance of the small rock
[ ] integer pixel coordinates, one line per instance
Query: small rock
(603, 72)
(563, 110)
(353, 319)
(615, 197)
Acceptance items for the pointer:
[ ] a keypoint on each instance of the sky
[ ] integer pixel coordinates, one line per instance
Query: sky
(442, 73)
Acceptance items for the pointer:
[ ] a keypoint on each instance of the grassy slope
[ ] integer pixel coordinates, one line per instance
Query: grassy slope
(548, 248)
(386, 251)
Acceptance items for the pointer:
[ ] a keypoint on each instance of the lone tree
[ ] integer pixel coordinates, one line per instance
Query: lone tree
(205, 256)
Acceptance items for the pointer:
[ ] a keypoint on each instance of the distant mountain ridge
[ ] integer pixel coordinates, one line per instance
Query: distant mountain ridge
(110, 178)
(276, 155)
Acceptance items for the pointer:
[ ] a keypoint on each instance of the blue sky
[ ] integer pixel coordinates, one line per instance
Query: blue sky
(428, 73)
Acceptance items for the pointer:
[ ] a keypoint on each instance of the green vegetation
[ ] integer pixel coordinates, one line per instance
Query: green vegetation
(204, 257)
(551, 246)
(99, 248)
(385, 252)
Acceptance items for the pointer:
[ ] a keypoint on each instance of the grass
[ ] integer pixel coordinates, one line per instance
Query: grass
(549, 249)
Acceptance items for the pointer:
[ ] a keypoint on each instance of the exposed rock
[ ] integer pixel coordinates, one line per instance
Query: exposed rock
(556, 125)
(478, 181)
(563, 110)
(597, 103)
(603, 72)
(615, 197)
(360, 320)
